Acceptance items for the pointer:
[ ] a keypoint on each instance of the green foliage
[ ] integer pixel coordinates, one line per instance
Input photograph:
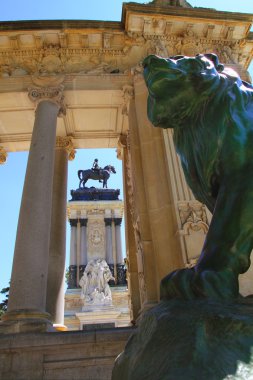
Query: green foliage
(67, 276)
(4, 303)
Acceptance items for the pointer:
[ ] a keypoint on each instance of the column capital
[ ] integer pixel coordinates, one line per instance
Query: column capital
(52, 94)
(73, 222)
(117, 221)
(3, 155)
(67, 144)
(83, 222)
(108, 221)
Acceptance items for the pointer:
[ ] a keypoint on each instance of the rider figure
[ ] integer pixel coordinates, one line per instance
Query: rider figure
(96, 167)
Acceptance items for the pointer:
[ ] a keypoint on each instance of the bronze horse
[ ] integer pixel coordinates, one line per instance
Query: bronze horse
(101, 174)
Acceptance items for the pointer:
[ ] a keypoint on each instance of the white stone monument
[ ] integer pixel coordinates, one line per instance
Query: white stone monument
(94, 284)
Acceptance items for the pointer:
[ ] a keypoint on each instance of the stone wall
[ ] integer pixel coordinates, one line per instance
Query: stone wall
(59, 356)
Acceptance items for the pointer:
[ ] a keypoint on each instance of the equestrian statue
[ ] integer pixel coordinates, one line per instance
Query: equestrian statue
(96, 173)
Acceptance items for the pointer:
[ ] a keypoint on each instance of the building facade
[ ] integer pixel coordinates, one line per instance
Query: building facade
(66, 85)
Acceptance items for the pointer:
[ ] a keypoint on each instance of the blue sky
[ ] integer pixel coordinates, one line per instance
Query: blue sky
(12, 173)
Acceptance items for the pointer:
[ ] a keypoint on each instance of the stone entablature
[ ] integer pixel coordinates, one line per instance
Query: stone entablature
(87, 56)
(113, 47)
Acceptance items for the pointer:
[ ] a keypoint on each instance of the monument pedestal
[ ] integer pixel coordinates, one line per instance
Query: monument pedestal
(77, 314)
(191, 340)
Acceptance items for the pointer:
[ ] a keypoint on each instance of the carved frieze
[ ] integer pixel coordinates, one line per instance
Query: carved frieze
(109, 52)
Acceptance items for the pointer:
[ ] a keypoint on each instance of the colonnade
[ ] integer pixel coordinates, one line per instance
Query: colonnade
(80, 254)
(36, 289)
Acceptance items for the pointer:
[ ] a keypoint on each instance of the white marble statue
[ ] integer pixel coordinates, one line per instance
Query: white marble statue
(94, 283)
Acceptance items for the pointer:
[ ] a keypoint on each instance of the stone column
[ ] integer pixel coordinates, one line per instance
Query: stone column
(121, 276)
(73, 254)
(114, 251)
(108, 244)
(108, 237)
(83, 246)
(27, 299)
(119, 255)
(3, 155)
(57, 250)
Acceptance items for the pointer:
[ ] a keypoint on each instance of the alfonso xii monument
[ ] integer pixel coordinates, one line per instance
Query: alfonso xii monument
(66, 85)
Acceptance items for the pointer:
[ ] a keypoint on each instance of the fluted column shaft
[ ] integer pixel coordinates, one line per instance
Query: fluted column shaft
(30, 264)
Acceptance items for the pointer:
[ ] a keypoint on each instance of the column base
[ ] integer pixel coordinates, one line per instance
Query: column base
(60, 327)
(26, 320)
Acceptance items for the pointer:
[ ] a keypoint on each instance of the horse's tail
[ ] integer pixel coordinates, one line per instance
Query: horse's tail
(79, 174)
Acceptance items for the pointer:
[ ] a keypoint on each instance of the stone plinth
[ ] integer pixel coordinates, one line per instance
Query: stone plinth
(76, 315)
(64, 355)
(94, 194)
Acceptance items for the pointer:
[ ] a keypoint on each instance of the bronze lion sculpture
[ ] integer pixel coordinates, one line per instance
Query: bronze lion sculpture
(211, 112)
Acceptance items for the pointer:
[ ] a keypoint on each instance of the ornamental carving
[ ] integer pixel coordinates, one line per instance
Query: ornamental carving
(109, 52)
(128, 94)
(96, 239)
(193, 216)
(54, 94)
(67, 144)
(94, 283)
(135, 222)
(3, 155)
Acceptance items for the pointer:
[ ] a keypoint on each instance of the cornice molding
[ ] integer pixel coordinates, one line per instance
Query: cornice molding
(194, 12)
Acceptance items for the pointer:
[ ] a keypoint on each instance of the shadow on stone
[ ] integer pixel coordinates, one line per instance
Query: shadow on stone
(193, 340)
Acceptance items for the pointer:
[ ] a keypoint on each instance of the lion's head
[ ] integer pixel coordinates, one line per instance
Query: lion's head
(180, 86)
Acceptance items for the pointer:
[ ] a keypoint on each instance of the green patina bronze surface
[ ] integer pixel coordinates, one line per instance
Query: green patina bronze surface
(190, 340)
(202, 329)
(211, 112)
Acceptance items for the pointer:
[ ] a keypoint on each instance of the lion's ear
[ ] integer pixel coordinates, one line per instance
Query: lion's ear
(213, 57)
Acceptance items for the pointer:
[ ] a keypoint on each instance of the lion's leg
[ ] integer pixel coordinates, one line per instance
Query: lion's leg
(226, 251)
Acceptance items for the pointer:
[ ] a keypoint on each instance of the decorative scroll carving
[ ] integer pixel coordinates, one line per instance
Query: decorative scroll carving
(193, 216)
(67, 144)
(54, 94)
(194, 227)
(3, 155)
